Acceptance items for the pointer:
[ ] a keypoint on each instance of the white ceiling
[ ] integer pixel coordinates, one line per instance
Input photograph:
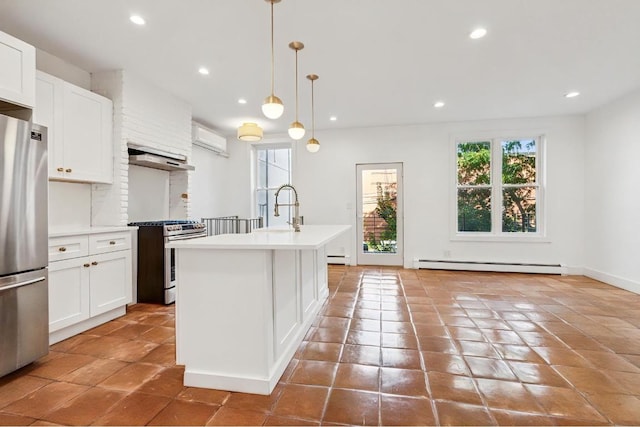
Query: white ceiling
(380, 62)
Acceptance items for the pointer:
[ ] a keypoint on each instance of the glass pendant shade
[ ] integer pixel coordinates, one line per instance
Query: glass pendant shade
(296, 131)
(313, 145)
(272, 107)
(250, 132)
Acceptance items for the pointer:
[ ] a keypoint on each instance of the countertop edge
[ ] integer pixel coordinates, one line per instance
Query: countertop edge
(62, 232)
(241, 244)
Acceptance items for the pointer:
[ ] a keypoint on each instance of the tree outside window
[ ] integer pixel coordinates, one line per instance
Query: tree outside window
(486, 204)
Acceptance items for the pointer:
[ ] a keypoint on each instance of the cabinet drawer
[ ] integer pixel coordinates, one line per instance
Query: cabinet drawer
(109, 242)
(68, 247)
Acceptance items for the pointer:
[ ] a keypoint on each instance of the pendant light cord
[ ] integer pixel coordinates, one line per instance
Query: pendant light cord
(296, 85)
(272, 51)
(313, 114)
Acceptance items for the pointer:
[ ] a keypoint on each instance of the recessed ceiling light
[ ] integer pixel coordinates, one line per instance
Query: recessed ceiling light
(333, 118)
(242, 101)
(439, 104)
(137, 19)
(571, 94)
(478, 33)
(204, 71)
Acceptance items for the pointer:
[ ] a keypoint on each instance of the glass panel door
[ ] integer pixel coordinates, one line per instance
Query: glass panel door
(380, 226)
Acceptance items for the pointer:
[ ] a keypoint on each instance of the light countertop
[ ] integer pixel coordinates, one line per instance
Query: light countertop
(310, 237)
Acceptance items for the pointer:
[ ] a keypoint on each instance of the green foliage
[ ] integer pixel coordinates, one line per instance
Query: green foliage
(474, 204)
(387, 205)
(474, 163)
(519, 203)
(518, 168)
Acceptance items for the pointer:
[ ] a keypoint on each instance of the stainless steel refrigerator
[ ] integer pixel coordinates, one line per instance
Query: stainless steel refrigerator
(24, 304)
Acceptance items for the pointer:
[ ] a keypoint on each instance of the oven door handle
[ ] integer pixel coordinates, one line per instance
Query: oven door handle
(185, 237)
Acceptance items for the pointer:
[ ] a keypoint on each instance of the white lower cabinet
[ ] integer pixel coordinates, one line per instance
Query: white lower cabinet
(90, 286)
(68, 293)
(110, 281)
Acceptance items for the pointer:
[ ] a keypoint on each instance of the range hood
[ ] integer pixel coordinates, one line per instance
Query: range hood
(157, 159)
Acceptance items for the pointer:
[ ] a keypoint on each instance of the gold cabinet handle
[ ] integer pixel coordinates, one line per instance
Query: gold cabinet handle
(62, 249)
(86, 265)
(68, 170)
(60, 169)
(113, 242)
(94, 263)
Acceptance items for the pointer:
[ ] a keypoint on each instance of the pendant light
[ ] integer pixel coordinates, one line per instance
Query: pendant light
(296, 129)
(313, 145)
(272, 107)
(250, 132)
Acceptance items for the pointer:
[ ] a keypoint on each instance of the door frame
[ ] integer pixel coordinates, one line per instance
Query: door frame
(363, 258)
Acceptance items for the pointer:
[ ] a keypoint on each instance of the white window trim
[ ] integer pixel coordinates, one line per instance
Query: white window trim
(496, 190)
(254, 168)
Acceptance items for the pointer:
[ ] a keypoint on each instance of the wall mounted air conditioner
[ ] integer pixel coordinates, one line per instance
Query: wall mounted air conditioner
(206, 138)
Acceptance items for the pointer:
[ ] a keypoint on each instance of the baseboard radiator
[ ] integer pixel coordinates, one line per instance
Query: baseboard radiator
(338, 259)
(510, 267)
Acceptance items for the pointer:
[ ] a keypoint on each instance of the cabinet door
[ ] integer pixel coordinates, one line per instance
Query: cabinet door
(48, 112)
(18, 71)
(68, 292)
(87, 134)
(111, 281)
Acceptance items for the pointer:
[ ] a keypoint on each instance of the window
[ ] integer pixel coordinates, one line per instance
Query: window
(273, 169)
(498, 186)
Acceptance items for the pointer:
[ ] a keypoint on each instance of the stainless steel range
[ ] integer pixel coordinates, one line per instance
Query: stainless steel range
(156, 264)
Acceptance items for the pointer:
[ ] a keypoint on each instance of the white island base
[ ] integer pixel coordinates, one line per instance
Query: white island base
(244, 303)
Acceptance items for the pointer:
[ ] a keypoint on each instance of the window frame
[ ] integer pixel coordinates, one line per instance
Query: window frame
(496, 185)
(256, 173)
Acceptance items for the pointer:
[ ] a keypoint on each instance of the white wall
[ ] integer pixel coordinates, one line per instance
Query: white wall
(210, 185)
(63, 70)
(612, 184)
(326, 184)
(221, 186)
(148, 194)
(69, 205)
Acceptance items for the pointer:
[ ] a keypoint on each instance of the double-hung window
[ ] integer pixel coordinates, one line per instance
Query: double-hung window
(499, 191)
(273, 169)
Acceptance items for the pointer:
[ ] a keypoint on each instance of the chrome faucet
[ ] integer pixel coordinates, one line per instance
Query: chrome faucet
(296, 205)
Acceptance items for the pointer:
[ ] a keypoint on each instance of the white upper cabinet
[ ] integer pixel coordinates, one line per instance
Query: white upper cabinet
(80, 124)
(17, 71)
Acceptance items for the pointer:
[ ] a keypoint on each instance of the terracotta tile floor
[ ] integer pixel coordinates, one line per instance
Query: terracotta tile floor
(391, 347)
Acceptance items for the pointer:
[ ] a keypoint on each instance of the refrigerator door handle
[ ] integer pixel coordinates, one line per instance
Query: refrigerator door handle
(25, 283)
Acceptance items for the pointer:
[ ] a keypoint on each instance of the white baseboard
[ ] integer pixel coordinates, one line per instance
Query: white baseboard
(613, 280)
(490, 266)
(92, 322)
(339, 259)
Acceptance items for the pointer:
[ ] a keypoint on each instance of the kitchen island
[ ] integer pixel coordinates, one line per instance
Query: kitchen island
(244, 302)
